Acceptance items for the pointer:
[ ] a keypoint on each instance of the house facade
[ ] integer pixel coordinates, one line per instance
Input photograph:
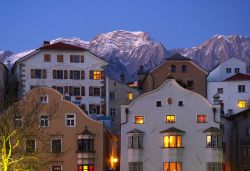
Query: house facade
(3, 82)
(171, 129)
(76, 140)
(187, 73)
(75, 72)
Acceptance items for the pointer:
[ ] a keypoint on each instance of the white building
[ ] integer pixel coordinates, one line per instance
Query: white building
(227, 69)
(171, 129)
(234, 93)
(73, 71)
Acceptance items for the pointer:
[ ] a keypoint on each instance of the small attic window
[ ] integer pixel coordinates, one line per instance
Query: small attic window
(180, 103)
(158, 103)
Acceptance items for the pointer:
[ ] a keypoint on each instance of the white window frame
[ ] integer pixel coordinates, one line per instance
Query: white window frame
(42, 100)
(43, 120)
(56, 165)
(56, 139)
(70, 126)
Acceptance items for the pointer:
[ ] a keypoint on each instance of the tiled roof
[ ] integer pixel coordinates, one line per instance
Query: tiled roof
(238, 77)
(61, 46)
(212, 129)
(178, 56)
(172, 130)
(136, 131)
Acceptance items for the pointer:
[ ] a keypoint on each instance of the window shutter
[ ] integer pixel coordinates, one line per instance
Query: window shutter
(82, 75)
(71, 58)
(82, 59)
(135, 141)
(71, 74)
(65, 74)
(54, 74)
(66, 89)
(103, 92)
(91, 73)
(102, 75)
(70, 90)
(90, 91)
(130, 142)
(32, 73)
(44, 73)
(82, 91)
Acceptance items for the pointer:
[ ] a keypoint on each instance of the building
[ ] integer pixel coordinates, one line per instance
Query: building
(3, 83)
(171, 129)
(75, 72)
(227, 69)
(234, 93)
(237, 141)
(81, 143)
(187, 73)
(119, 94)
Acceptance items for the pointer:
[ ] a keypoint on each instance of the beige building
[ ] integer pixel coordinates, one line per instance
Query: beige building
(119, 94)
(3, 81)
(186, 73)
(83, 143)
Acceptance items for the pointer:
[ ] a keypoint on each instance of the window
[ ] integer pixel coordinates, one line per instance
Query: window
(139, 119)
(86, 167)
(85, 145)
(44, 121)
(135, 166)
(172, 141)
(201, 118)
(56, 168)
(97, 75)
(112, 112)
(135, 141)
(190, 83)
(220, 90)
(57, 74)
(214, 141)
(94, 109)
(170, 118)
(228, 70)
(44, 99)
(237, 70)
(47, 58)
(215, 166)
(70, 120)
(112, 95)
(173, 68)
(76, 74)
(94, 91)
(76, 59)
(76, 91)
(60, 89)
(38, 73)
(130, 96)
(18, 120)
(180, 103)
(242, 104)
(56, 145)
(158, 103)
(59, 58)
(30, 145)
(172, 166)
(241, 88)
(184, 68)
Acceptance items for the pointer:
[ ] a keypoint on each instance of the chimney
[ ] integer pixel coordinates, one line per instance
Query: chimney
(46, 43)
(122, 78)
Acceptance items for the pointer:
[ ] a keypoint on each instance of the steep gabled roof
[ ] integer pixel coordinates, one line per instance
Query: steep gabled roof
(61, 46)
(238, 77)
(172, 130)
(178, 56)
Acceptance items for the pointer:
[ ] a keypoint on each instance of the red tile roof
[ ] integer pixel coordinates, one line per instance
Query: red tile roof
(238, 77)
(61, 46)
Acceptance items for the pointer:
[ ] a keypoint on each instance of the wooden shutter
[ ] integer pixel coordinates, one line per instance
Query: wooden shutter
(44, 73)
(70, 90)
(82, 59)
(82, 75)
(102, 75)
(103, 109)
(91, 74)
(91, 91)
(65, 75)
(103, 92)
(71, 74)
(82, 91)
(71, 58)
(66, 89)
(32, 73)
(54, 74)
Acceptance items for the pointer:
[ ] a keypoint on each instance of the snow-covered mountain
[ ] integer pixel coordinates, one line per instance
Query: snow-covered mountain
(5, 54)
(125, 51)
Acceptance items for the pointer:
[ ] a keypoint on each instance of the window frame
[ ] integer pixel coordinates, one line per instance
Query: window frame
(242, 104)
(201, 115)
(66, 119)
(217, 144)
(130, 96)
(56, 166)
(43, 120)
(139, 116)
(169, 163)
(242, 88)
(171, 122)
(183, 68)
(61, 147)
(176, 141)
(26, 145)
(42, 100)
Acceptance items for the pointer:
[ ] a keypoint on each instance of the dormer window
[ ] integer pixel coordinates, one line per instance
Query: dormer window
(172, 141)
(184, 68)
(228, 70)
(139, 119)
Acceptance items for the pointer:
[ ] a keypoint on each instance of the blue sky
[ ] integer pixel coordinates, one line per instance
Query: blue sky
(175, 23)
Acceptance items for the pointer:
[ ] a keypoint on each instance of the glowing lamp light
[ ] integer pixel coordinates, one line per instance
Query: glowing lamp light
(115, 160)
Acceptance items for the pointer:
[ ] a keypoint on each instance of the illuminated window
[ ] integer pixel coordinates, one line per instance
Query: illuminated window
(201, 118)
(170, 118)
(172, 166)
(139, 119)
(97, 75)
(242, 104)
(172, 141)
(130, 96)
(85, 167)
(214, 141)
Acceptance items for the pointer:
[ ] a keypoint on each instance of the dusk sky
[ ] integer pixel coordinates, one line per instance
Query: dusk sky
(175, 23)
